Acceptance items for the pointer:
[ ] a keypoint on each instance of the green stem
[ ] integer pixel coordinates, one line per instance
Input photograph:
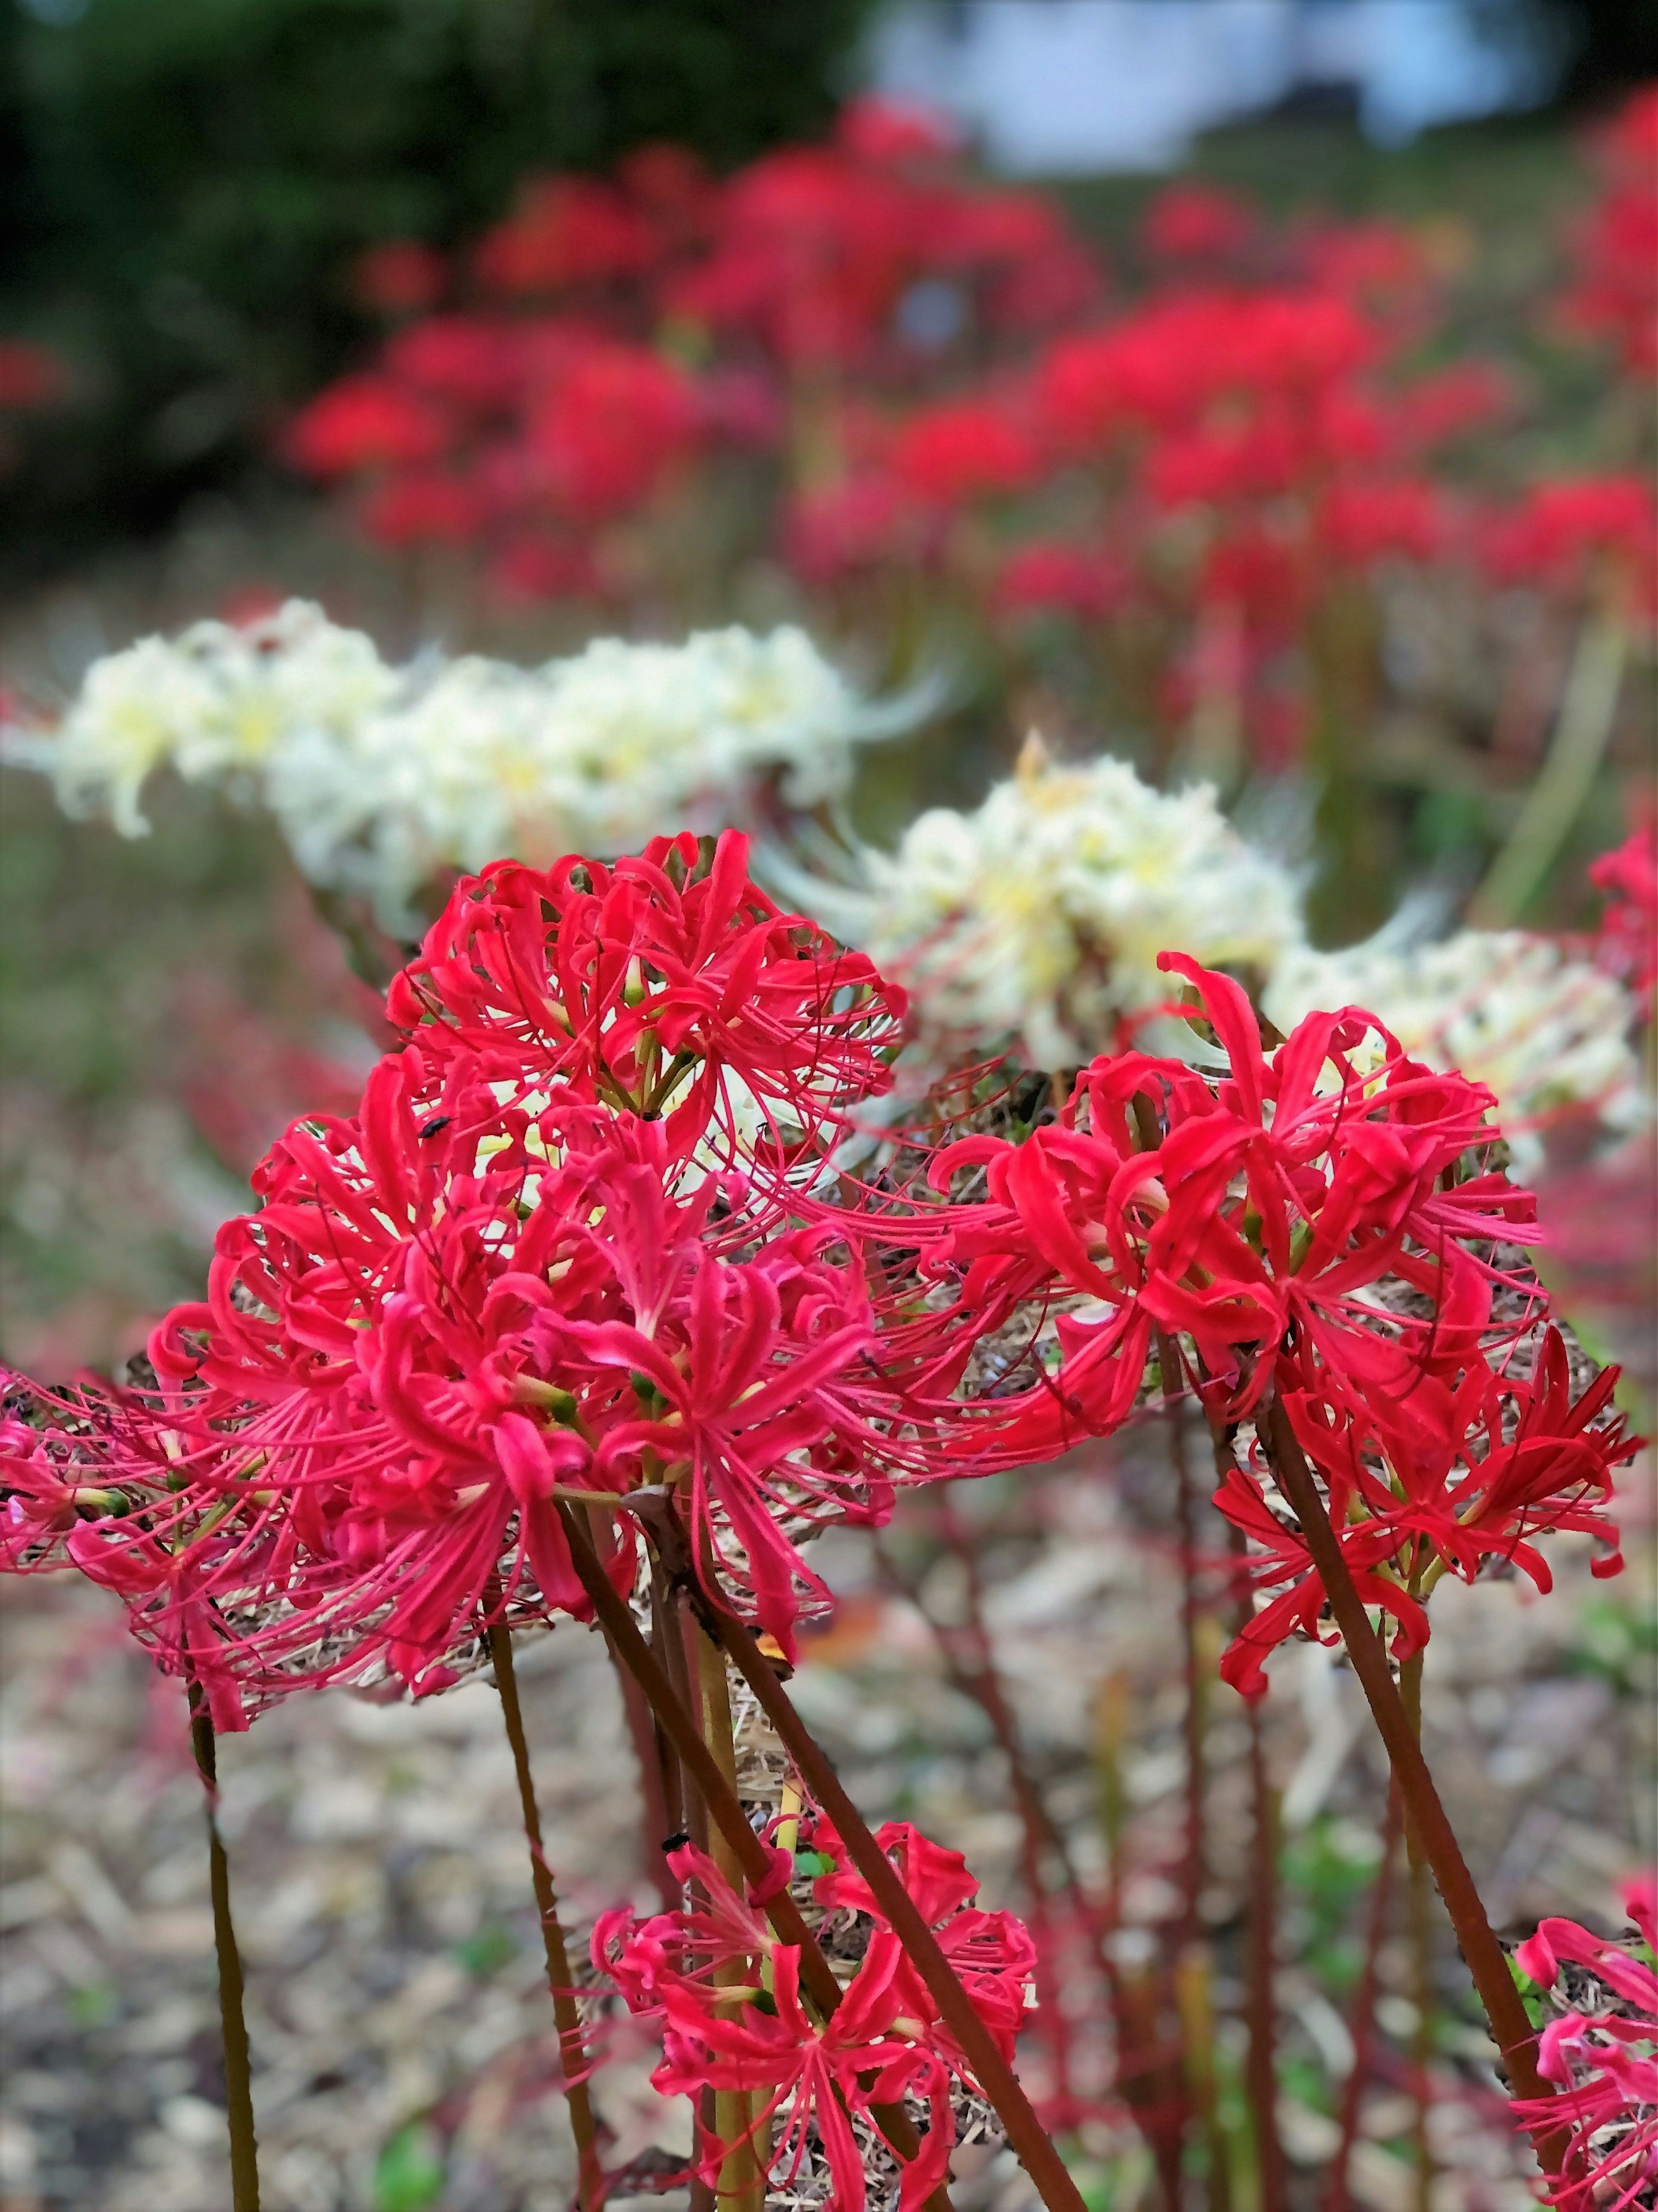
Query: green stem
(572, 2056)
(232, 2021)
(1587, 715)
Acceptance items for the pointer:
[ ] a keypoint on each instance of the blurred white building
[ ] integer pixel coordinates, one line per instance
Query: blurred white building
(1056, 87)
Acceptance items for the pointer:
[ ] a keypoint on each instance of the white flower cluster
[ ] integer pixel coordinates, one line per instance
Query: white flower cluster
(1040, 915)
(381, 778)
(1034, 922)
(219, 703)
(1547, 1032)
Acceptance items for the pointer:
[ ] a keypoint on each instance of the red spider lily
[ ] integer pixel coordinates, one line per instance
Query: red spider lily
(1600, 2050)
(965, 449)
(654, 990)
(1432, 1477)
(894, 133)
(547, 1251)
(401, 276)
(1564, 533)
(1360, 524)
(414, 1345)
(1196, 222)
(416, 509)
(728, 1997)
(1616, 292)
(363, 424)
(469, 360)
(812, 253)
(99, 1480)
(992, 1953)
(861, 524)
(480, 1306)
(567, 232)
(1378, 263)
(1049, 576)
(1271, 1199)
(602, 437)
(1450, 403)
(1161, 368)
(1627, 943)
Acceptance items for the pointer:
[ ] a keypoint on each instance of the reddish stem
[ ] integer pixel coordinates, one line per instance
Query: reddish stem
(1424, 1814)
(1260, 2006)
(232, 2021)
(1200, 2072)
(1260, 2001)
(816, 1978)
(572, 2056)
(1363, 2023)
(660, 1817)
(1030, 2140)
(969, 1662)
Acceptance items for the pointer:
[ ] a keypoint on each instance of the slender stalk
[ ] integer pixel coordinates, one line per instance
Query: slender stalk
(971, 1665)
(1588, 713)
(1195, 2006)
(1424, 1814)
(1363, 2021)
(233, 2019)
(1152, 2086)
(660, 1809)
(1419, 1920)
(1191, 1959)
(664, 1640)
(1030, 2140)
(573, 2058)
(1260, 2005)
(1192, 1868)
(667, 1643)
(742, 2170)
(818, 1980)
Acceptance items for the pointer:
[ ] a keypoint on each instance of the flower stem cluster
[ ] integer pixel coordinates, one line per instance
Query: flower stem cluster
(1324, 1229)
(734, 2016)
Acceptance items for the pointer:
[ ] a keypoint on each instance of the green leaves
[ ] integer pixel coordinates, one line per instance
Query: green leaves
(408, 2173)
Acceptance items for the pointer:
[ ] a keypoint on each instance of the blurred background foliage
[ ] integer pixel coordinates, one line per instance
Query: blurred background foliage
(184, 184)
(185, 187)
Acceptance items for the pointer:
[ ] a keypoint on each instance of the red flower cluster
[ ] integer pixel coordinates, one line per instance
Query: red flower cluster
(915, 365)
(1599, 2048)
(570, 1240)
(561, 397)
(1628, 880)
(1616, 294)
(1575, 533)
(1316, 1227)
(585, 1237)
(728, 1997)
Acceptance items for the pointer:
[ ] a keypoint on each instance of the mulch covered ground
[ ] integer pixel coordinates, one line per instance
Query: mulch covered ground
(401, 2032)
